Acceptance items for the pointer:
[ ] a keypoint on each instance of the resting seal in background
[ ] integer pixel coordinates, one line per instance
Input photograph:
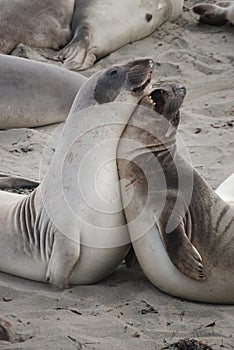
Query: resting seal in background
(100, 27)
(34, 93)
(215, 14)
(181, 230)
(37, 23)
(72, 227)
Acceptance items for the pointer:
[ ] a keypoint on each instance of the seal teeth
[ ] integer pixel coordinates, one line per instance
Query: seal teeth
(152, 101)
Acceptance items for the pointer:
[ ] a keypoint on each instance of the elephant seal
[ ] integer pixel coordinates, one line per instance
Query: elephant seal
(96, 34)
(35, 23)
(181, 230)
(72, 228)
(103, 26)
(34, 93)
(218, 14)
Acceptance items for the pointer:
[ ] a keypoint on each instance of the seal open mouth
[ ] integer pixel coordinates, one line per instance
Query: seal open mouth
(167, 98)
(158, 98)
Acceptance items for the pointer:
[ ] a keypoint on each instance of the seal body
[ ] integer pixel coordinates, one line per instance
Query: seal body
(34, 93)
(215, 14)
(181, 230)
(72, 227)
(100, 27)
(43, 23)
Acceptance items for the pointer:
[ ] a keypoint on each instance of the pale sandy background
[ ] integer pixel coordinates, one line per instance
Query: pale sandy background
(125, 311)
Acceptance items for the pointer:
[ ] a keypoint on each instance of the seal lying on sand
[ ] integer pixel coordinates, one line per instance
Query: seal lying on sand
(37, 23)
(34, 93)
(181, 230)
(72, 227)
(218, 14)
(101, 27)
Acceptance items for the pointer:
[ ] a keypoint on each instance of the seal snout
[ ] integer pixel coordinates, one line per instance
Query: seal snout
(179, 89)
(140, 74)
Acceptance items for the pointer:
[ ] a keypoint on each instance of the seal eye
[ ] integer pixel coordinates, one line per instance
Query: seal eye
(114, 72)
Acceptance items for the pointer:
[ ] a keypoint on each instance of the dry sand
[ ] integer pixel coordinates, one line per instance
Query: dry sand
(125, 311)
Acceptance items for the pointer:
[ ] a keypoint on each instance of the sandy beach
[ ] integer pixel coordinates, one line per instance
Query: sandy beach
(125, 311)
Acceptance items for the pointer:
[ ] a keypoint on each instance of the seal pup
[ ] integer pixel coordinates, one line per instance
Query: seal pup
(215, 14)
(181, 230)
(72, 227)
(103, 26)
(37, 23)
(34, 93)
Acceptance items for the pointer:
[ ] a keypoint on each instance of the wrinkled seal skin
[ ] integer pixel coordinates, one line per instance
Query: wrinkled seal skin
(37, 23)
(53, 234)
(34, 93)
(181, 230)
(215, 14)
(100, 27)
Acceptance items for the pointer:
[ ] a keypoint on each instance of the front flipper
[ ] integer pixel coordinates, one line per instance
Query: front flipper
(64, 256)
(37, 54)
(210, 14)
(74, 54)
(10, 182)
(181, 251)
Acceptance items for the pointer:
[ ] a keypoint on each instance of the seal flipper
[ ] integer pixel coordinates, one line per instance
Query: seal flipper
(210, 14)
(74, 54)
(64, 256)
(181, 251)
(16, 182)
(36, 54)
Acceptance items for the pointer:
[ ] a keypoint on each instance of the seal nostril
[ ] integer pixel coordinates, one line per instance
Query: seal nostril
(179, 89)
(151, 64)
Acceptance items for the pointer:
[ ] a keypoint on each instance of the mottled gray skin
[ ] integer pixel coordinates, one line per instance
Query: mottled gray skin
(182, 231)
(42, 238)
(215, 14)
(37, 23)
(34, 93)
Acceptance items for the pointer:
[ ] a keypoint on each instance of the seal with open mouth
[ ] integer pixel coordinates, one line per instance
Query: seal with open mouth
(181, 230)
